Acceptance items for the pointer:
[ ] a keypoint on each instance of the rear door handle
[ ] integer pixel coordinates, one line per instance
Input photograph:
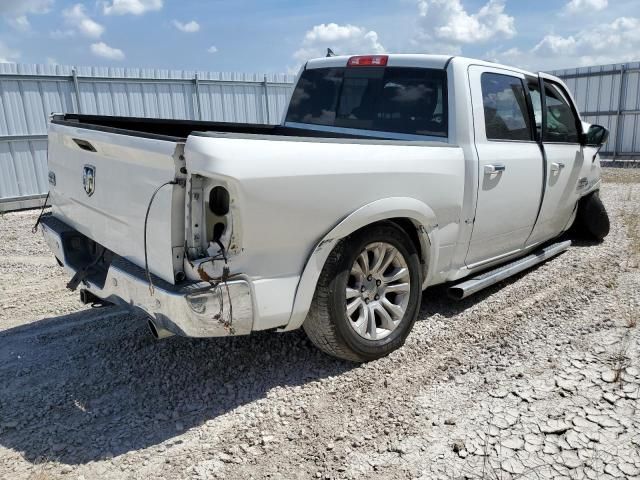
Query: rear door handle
(557, 167)
(495, 168)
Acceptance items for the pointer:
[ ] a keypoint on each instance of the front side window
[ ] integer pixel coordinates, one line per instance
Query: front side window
(505, 108)
(562, 124)
(392, 99)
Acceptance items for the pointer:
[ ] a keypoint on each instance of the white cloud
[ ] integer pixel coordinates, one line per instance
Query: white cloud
(615, 42)
(20, 23)
(133, 7)
(52, 61)
(556, 45)
(8, 55)
(446, 25)
(586, 6)
(101, 49)
(212, 49)
(512, 56)
(22, 7)
(57, 34)
(16, 11)
(190, 27)
(342, 39)
(76, 17)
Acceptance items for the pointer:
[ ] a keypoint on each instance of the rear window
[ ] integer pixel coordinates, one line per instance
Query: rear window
(393, 99)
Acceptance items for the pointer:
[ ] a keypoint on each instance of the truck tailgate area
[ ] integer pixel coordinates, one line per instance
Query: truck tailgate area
(101, 183)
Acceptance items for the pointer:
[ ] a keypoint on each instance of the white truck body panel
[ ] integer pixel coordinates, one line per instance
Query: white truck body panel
(282, 219)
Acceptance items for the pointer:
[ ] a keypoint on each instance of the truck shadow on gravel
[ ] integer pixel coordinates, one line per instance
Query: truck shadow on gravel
(94, 384)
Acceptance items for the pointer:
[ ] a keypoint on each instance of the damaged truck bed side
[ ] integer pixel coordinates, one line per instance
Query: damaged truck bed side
(388, 174)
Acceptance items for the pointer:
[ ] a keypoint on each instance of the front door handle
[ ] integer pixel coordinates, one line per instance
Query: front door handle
(557, 167)
(495, 168)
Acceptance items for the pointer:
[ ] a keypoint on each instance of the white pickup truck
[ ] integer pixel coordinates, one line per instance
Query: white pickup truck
(387, 175)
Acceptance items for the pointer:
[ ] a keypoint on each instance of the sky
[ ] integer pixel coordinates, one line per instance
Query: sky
(277, 36)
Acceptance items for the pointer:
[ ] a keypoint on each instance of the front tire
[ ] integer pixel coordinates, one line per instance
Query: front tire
(368, 295)
(592, 218)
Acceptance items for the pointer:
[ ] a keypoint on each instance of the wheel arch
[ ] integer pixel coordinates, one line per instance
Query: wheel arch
(416, 218)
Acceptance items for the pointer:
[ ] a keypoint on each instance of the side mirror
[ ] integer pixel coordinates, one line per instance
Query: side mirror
(596, 136)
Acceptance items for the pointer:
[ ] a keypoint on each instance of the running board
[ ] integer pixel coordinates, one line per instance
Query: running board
(486, 279)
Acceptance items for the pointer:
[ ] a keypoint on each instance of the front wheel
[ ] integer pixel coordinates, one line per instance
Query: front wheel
(368, 295)
(592, 218)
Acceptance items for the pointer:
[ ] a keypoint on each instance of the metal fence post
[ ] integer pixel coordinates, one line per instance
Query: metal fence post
(266, 98)
(618, 114)
(197, 106)
(74, 77)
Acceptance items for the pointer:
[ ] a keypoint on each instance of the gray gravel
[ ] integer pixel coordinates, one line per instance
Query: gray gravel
(538, 377)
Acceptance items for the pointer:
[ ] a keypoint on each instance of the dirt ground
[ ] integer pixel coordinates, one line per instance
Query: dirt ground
(537, 377)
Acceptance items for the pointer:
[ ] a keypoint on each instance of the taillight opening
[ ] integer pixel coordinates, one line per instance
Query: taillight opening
(219, 201)
(368, 61)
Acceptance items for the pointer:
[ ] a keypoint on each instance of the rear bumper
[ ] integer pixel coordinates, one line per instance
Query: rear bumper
(193, 310)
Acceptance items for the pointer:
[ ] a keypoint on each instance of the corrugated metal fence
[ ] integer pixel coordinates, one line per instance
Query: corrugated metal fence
(609, 95)
(30, 93)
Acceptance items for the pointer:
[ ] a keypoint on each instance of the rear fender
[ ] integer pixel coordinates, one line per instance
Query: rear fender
(419, 213)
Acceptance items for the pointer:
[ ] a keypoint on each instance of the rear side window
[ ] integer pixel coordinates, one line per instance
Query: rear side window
(403, 100)
(506, 116)
(562, 124)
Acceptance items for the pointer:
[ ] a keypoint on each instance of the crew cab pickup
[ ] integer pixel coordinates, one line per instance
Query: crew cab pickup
(388, 174)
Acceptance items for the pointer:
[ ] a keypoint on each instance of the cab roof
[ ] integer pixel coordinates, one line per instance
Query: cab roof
(414, 60)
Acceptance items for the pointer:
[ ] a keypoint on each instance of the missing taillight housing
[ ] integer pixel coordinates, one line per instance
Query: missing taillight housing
(368, 61)
(219, 201)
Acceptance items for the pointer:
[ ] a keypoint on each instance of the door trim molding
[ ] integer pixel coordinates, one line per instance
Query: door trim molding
(540, 140)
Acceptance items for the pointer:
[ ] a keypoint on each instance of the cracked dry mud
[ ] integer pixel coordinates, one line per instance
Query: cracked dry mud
(537, 377)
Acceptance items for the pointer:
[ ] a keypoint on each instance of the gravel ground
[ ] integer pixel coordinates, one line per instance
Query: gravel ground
(538, 377)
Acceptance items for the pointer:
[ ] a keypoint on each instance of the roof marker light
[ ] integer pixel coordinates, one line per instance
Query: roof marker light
(368, 61)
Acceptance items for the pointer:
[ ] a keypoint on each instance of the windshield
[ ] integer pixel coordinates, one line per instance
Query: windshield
(392, 99)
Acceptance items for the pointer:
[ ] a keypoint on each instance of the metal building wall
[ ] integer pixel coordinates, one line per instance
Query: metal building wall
(609, 95)
(30, 93)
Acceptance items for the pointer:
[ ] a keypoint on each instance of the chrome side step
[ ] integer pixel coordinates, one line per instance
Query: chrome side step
(486, 279)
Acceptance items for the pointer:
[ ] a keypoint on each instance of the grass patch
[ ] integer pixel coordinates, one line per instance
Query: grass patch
(621, 359)
(41, 475)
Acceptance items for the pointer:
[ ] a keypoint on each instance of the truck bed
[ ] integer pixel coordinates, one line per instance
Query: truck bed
(176, 130)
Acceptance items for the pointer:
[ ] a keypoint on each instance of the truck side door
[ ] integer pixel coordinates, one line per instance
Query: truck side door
(510, 164)
(559, 124)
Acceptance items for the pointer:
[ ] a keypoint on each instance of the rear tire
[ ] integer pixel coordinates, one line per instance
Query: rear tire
(592, 218)
(360, 315)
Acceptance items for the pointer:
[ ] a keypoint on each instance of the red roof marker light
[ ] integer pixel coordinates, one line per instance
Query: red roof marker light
(368, 61)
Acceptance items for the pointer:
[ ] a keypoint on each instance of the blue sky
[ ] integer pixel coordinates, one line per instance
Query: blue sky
(278, 35)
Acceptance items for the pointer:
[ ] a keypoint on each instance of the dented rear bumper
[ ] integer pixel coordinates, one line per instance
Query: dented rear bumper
(195, 309)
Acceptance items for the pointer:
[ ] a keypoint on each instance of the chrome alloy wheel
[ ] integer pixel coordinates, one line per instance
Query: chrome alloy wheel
(377, 291)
